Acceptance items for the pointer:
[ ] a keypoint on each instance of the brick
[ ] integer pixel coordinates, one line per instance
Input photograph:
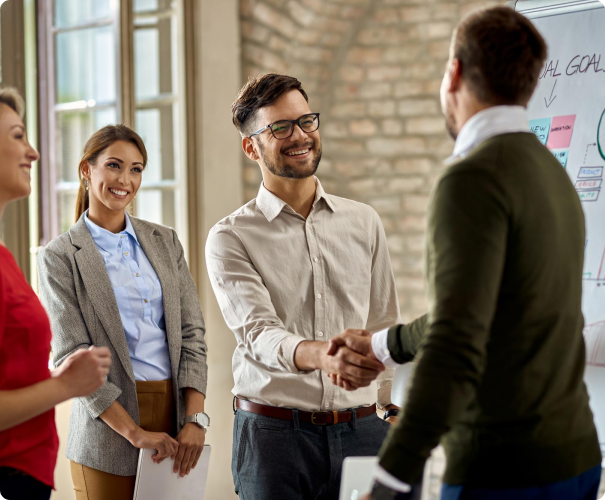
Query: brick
(391, 127)
(386, 204)
(412, 264)
(415, 243)
(300, 14)
(413, 166)
(265, 58)
(351, 74)
(439, 29)
(331, 40)
(382, 108)
(408, 89)
(362, 186)
(309, 37)
(343, 146)
(414, 14)
(245, 8)
(364, 91)
(440, 49)
(395, 243)
(450, 11)
(415, 204)
(394, 147)
(363, 128)
(335, 130)
(364, 55)
(425, 125)
(254, 32)
(411, 51)
(384, 73)
(252, 174)
(348, 109)
(410, 283)
(414, 107)
(314, 54)
(383, 36)
(270, 17)
(386, 16)
(404, 184)
(412, 223)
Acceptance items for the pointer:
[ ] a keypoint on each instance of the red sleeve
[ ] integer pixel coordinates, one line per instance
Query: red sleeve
(2, 306)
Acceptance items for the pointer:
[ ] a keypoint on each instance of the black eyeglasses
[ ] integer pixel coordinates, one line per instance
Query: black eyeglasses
(283, 129)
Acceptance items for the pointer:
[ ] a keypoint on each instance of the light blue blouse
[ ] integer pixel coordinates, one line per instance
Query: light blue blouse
(139, 297)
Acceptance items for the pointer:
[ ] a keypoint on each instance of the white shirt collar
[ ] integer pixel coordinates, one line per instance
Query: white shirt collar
(488, 123)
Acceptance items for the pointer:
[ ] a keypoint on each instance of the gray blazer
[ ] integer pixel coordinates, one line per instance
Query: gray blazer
(79, 299)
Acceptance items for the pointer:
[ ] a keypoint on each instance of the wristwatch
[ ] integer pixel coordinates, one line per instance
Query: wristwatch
(390, 413)
(382, 492)
(200, 419)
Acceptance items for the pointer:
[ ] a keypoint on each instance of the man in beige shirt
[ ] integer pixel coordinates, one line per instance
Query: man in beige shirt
(292, 269)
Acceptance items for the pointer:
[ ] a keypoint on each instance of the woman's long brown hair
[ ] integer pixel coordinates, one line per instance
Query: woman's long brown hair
(98, 143)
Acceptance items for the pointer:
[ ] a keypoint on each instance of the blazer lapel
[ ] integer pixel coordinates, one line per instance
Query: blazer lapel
(158, 253)
(96, 281)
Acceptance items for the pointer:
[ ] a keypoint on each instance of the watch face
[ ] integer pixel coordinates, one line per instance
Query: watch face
(203, 419)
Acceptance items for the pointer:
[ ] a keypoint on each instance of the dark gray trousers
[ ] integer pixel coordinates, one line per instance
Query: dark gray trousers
(277, 459)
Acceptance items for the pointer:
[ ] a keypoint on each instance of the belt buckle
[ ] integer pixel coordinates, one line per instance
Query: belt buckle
(313, 417)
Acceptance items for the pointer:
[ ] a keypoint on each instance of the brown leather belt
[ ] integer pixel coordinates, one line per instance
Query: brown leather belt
(321, 417)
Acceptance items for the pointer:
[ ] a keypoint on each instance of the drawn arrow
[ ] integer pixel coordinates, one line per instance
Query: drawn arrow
(551, 99)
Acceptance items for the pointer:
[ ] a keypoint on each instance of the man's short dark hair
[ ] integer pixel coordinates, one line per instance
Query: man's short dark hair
(501, 54)
(258, 93)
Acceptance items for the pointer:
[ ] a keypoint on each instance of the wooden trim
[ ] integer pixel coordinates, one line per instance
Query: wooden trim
(15, 221)
(125, 56)
(194, 223)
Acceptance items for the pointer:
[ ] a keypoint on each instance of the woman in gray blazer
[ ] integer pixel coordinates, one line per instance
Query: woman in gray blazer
(117, 281)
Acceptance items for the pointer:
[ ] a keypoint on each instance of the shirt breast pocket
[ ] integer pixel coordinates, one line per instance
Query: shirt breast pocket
(123, 301)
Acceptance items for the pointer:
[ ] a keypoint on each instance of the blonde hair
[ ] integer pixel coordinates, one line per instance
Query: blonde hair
(11, 97)
(99, 142)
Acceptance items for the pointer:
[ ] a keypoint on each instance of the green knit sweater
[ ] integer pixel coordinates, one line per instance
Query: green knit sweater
(499, 379)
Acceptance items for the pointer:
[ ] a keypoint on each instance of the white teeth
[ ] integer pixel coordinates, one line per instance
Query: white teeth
(299, 152)
(119, 193)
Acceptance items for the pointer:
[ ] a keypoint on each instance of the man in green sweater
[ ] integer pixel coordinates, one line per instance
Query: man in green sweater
(499, 379)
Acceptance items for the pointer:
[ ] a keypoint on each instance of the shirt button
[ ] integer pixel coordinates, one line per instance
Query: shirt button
(126, 253)
(319, 295)
(137, 275)
(315, 259)
(320, 334)
(145, 300)
(121, 236)
(327, 405)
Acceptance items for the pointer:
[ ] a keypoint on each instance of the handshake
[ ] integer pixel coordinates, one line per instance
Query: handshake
(350, 361)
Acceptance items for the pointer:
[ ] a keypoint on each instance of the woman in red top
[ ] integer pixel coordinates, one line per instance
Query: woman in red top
(28, 390)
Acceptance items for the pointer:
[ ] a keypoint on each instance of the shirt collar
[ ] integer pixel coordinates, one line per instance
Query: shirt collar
(105, 239)
(271, 206)
(488, 123)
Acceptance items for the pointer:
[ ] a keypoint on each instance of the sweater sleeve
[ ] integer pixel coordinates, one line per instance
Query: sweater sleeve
(466, 248)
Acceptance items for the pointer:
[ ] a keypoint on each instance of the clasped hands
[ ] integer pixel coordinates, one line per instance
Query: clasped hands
(353, 363)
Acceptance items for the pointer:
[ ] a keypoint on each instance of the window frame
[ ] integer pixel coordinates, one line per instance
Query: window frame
(123, 21)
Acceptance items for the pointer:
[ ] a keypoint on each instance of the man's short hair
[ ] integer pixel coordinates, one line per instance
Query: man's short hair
(258, 93)
(11, 97)
(501, 54)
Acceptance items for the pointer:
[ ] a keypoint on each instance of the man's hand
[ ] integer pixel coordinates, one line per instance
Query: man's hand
(351, 366)
(359, 341)
(191, 444)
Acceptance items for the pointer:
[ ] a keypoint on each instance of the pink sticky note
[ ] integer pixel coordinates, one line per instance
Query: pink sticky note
(561, 129)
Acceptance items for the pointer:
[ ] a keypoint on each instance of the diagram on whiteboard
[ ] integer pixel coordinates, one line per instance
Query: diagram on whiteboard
(567, 114)
(594, 336)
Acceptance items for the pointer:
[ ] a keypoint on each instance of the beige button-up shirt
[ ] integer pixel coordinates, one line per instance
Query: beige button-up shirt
(281, 279)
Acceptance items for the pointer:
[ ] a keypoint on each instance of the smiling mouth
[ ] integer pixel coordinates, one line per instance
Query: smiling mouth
(298, 152)
(118, 192)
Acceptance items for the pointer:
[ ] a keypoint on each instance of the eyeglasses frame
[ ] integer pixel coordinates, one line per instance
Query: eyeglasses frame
(293, 122)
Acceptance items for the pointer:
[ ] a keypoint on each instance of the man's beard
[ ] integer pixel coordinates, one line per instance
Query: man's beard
(449, 125)
(291, 171)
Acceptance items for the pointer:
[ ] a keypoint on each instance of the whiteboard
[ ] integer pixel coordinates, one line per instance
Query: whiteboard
(567, 113)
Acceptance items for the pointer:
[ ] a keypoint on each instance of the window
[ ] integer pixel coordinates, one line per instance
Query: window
(114, 61)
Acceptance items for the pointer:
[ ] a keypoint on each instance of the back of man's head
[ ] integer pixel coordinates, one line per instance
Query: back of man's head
(501, 54)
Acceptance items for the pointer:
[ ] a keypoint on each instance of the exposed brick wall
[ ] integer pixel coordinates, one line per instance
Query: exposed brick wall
(373, 69)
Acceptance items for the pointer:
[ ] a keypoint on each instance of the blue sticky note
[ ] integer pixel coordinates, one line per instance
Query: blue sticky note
(540, 127)
(561, 155)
